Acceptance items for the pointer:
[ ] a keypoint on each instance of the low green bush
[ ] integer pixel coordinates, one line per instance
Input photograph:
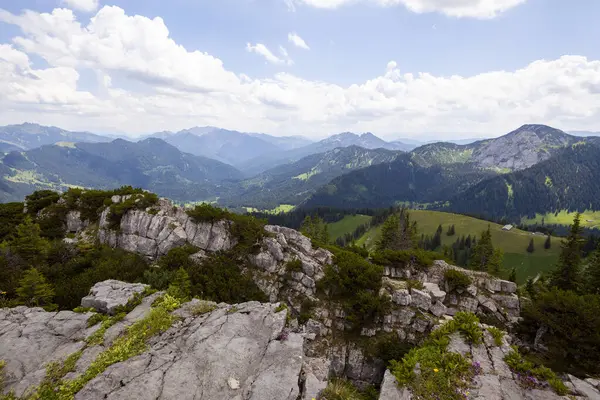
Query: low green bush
(497, 334)
(456, 279)
(417, 258)
(531, 376)
(443, 375)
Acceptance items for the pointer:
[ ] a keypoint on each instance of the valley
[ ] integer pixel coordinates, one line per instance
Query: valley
(513, 243)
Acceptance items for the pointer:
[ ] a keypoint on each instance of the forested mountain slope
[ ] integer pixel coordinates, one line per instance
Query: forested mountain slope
(402, 180)
(293, 183)
(570, 180)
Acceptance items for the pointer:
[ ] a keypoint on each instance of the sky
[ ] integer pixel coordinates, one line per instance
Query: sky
(423, 69)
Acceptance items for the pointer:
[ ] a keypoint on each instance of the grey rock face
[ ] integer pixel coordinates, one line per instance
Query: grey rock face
(390, 389)
(31, 337)
(420, 299)
(402, 297)
(106, 296)
(153, 235)
(232, 355)
(435, 292)
(74, 222)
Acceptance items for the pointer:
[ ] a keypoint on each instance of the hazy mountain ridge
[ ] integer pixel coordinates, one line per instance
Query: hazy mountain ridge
(366, 140)
(28, 136)
(292, 183)
(150, 164)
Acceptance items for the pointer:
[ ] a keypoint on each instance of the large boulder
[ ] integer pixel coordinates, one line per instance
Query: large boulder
(108, 295)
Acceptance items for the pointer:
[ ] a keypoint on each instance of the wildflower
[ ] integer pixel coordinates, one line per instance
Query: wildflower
(436, 370)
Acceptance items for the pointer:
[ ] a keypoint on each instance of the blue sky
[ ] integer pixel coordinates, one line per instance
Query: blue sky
(342, 82)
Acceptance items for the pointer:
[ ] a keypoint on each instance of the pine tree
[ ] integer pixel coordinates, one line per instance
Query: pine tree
(494, 265)
(530, 248)
(439, 229)
(513, 275)
(398, 233)
(28, 243)
(482, 252)
(566, 275)
(547, 243)
(181, 287)
(451, 231)
(592, 273)
(33, 290)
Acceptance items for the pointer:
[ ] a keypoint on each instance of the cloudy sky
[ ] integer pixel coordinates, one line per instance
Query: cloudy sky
(398, 68)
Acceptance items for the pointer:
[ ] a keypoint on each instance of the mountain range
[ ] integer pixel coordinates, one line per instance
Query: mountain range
(535, 168)
(28, 136)
(151, 164)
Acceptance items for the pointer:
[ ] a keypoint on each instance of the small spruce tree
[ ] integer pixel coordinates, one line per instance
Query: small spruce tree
(592, 273)
(547, 243)
(567, 273)
(530, 248)
(33, 290)
(513, 275)
(181, 287)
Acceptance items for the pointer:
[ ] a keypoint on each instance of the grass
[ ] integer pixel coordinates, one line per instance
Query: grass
(513, 243)
(589, 219)
(282, 208)
(346, 225)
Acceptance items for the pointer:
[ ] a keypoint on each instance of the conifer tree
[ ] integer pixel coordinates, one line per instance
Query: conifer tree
(33, 290)
(451, 230)
(547, 243)
(28, 243)
(513, 275)
(482, 252)
(531, 248)
(592, 272)
(181, 287)
(566, 275)
(398, 233)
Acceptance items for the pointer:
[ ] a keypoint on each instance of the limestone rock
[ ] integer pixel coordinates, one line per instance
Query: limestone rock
(402, 297)
(438, 309)
(435, 292)
(106, 296)
(508, 286)
(493, 285)
(584, 388)
(420, 299)
(74, 222)
(390, 389)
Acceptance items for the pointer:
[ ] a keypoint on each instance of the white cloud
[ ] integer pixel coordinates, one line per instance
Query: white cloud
(297, 41)
(82, 5)
(264, 51)
(453, 8)
(147, 82)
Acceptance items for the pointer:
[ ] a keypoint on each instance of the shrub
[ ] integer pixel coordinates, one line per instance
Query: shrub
(294, 265)
(443, 375)
(340, 389)
(355, 282)
(418, 258)
(207, 213)
(306, 309)
(529, 374)
(387, 347)
(220, 279)
(573, 336)
(497, 334)
(456, 279)
(137, 202)
(202, 307)
(414, 284)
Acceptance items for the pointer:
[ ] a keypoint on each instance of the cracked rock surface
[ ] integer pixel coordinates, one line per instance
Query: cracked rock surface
(230, 353)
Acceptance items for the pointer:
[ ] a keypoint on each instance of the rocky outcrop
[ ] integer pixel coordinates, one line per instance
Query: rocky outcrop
(273, 276)
(107, 296)
(155, 231)
(493, 379)
(235, 352)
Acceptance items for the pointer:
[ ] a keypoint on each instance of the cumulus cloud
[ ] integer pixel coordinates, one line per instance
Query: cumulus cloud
(453, 8)
(297, 41)
(264, 51)
(148, 82)
(82, 5)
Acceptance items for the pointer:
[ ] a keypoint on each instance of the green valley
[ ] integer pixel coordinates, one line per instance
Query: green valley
(514, 242)
(347, 225)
